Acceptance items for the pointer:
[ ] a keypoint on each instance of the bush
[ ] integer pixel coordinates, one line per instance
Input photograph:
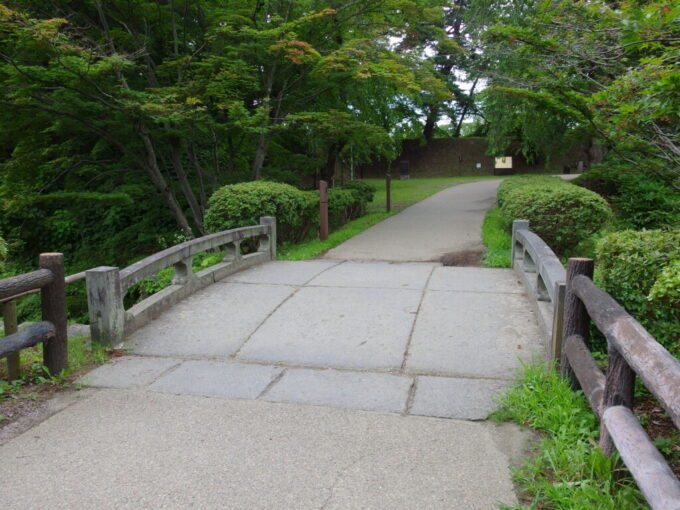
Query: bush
(519, 181)
(296, 212)
(641, 270)
(560, 213)
(241, 205)
(640, 200)
(366, 190)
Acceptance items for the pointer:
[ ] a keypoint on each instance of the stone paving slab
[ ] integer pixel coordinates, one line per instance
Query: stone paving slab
(337, 328)
(333, 388)
(475, 279)
(128, 450)
(473, 335)
(213, 322)
(128, 372)
(463, 399)
(217, 379)
(382, 275)
(282, 272)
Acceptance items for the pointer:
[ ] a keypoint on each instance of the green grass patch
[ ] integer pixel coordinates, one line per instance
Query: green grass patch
(569, 471)
(313, 248)
(410, 191)
(497, 239)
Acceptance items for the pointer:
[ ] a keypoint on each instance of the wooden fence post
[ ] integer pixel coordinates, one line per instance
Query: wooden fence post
(576, 319)
(270, 221)
(105, 303)
(53, 302)
(516, 225)
(323, 210)
(619, 389)
(9, 319)
(388, 192)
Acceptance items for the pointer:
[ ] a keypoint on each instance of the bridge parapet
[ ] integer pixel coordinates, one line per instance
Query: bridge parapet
(106, 286)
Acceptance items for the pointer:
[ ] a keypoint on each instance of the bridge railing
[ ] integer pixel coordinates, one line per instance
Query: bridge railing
(106, 286)
(632, 352)
(50, 282)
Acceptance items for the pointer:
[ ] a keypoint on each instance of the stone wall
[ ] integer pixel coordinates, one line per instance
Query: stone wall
(445, 157)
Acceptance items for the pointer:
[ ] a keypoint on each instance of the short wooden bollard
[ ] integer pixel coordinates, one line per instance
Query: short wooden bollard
(323, 210)
(388, 192)
(53, 301)
(9, 319)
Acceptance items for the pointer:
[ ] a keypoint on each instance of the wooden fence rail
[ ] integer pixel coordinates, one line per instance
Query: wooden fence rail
(632, 352)
(50, 282)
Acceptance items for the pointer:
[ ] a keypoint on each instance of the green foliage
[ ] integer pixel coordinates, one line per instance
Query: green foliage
(569, 471)
(640, 200)
(641, 271)
(241, 205)
(519, 181)
(559, 212)
(366, 189)
(497, 240)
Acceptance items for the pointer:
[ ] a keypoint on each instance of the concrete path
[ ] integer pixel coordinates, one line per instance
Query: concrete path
(446, 222)
(304, 385)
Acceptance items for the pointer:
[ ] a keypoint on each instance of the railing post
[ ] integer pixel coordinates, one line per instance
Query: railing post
(184, 271)
(53, 304)
(516, 226)
(576, 319)
(270, 221)
(619, 390)
(323, 210)
(105, 303)
(9, 319)
(558, 321)
(388, 192)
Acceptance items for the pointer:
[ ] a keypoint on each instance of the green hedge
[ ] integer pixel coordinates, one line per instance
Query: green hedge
(296, 212)
(641, 270)
(559, 212)
(640, 200)
(366, 190)
(241, 205)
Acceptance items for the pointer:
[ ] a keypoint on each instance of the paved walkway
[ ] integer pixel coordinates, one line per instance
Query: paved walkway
(449, 221)
(253, 394)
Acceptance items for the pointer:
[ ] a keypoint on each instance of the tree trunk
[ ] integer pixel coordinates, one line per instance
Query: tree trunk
(430, 123)
(176, 159)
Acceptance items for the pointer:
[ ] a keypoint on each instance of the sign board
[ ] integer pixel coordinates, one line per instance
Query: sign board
(504, 162)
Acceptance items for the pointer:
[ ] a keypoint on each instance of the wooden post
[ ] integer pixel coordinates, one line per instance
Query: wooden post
(388, 192)
(105, 303)
(516, 225)
(619, 389)
(53, 302)
(9, 318)
(576, 320)
(323, 210)
(558, 321)
(270, 221)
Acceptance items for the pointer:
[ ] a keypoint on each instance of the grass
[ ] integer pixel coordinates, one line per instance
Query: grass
(404, 194)
(569, 471)
(497, 239)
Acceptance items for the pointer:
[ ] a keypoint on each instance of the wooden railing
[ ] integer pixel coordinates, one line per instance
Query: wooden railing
(106, 286)
(632, 352)
(50, 282)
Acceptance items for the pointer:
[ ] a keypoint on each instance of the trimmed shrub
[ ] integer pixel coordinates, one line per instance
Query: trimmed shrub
(241, 205)
(640, 200)
(366, 190)
(562, 214)
(641, 270)
(520, 181)
(343, 205)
